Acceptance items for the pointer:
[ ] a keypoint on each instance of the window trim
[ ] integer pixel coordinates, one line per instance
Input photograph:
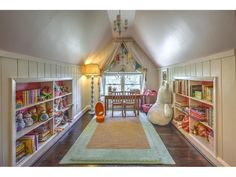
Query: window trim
(122, 79)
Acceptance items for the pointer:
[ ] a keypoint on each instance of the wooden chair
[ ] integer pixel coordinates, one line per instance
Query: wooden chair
(130, 100)
(117, 100)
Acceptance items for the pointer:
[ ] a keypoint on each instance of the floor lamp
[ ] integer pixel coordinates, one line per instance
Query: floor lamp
(91, 70)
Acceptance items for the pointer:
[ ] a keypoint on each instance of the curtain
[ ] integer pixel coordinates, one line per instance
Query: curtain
(107, 61)
(140, 58)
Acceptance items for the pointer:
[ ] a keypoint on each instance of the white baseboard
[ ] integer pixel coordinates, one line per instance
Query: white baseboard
(82, 112)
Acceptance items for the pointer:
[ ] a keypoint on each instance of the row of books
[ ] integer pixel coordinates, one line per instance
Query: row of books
(204, 114)
(204, 92)
(27, 97)
(181, 87)
(29, 143)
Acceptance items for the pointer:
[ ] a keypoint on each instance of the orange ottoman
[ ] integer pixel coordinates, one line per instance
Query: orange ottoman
(99, 111)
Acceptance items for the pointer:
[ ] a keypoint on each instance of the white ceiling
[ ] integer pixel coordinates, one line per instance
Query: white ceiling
(168, 37)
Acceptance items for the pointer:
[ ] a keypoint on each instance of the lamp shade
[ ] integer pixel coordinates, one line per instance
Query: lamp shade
(91, 69)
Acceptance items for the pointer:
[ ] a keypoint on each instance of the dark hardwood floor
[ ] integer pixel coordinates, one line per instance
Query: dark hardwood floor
(183, 153)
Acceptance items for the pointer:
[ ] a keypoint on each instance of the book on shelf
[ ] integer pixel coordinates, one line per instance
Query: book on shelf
(204, 114)
(181, 87)
(196, 91)
(27, 97)
(29, 141)
(20, 150)
(208, 92)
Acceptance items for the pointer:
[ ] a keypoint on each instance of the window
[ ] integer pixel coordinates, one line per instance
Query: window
(122, 82)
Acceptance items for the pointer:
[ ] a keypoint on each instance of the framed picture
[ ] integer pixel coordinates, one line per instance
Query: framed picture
(164, 74)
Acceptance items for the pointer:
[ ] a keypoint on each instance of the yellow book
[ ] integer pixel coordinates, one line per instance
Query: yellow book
(29, 145)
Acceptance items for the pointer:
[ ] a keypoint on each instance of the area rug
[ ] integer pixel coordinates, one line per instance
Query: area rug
(98, 144)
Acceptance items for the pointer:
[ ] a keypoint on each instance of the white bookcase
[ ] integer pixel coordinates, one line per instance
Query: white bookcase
(195, 112)
(59, 121)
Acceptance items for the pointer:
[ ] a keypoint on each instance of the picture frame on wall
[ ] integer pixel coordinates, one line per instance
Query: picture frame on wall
(164, 74)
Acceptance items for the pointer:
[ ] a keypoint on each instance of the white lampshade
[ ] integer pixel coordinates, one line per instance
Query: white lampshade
(91, 69)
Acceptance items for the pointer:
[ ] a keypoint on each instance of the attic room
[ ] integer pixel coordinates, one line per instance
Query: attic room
(118, 88)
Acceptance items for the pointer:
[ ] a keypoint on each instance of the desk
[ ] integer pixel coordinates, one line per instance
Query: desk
(108, 97)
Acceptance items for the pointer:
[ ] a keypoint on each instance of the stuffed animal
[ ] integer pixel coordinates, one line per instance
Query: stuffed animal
(46, 92)
(34, 114)
(28, 119)
(44, 116)
(20, 124)
(161, 112)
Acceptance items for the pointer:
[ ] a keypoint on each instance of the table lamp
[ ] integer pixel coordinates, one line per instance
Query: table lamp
(91, 70)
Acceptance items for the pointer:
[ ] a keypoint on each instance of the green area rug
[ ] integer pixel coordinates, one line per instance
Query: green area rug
(155, 154)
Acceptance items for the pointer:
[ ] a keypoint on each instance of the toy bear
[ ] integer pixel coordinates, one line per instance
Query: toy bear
(161, 112)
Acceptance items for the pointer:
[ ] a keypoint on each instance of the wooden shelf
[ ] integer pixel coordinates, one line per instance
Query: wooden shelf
(202, 144)
(181, 111)
(202, 101)
(43, 146)
(182, 95)
(35, 104)
(32, 127)
(63, 95)
(27, 157)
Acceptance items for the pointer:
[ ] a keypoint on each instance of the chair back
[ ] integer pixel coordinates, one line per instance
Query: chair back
(130, 97)
(117, 97)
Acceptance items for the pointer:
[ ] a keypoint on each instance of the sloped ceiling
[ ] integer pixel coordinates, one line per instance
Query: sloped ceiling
(167, 37)
(170, 37)
(68, 36)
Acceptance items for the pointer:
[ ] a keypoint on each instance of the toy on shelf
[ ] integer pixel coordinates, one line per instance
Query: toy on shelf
(41, 109)
(60, 89)
(43, 132)
(28, 119)
(44, 116)
(34, 114)
(201, 130)
(20, 124)
(50, 111)
(46, 93)
(185, 123)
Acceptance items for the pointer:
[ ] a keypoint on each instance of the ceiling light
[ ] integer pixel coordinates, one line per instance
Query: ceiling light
(119, 25)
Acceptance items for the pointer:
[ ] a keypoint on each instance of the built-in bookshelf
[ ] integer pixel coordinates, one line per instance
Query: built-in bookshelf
(195, 112)
(41, 113)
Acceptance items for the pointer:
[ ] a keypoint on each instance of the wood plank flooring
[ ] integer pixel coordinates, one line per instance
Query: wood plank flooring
(183, 153)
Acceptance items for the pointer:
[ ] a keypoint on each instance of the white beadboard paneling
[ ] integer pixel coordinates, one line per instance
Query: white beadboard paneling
(62, 71)
(199, 69)
(188, 70)
(193, 69)
(229, 111)
(33, 69)
(216, 72)
(9, 70)
(206, 69)
(58, 71)
(23, 68)
(74, 71)
(47, 70)
(41, 72)
(53, 70)
(70, 71)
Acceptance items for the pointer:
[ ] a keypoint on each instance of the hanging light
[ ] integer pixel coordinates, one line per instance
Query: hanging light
(119, 26)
